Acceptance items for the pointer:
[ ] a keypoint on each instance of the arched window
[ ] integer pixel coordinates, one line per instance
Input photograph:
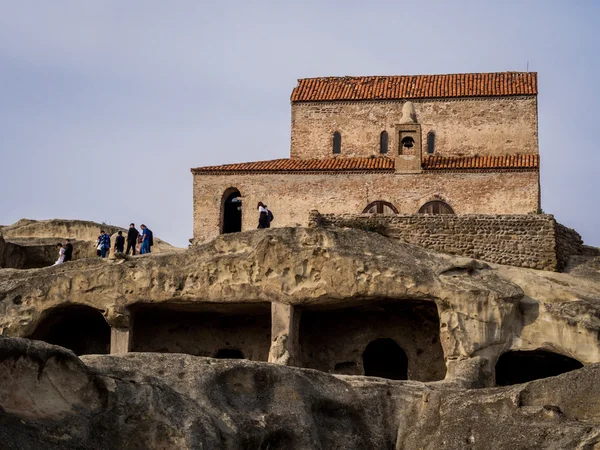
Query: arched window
(231, 221)
(516, 367)
(79, 328)
(436, 207)
(385, 359)
(380, 207)
(383, 143)
(337, 143)
(430, 142)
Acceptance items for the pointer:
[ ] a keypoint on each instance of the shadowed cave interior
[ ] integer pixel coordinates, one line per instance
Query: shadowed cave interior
(79, 328)
(224, 330)
(396, 339)
(516, 367)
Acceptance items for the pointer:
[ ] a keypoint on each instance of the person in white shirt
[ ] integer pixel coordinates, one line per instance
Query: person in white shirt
(61, 254)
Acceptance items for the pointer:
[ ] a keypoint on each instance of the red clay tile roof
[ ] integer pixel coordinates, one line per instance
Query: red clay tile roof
(415, 86)
(481, 162)
(378, 164)
(304, 165)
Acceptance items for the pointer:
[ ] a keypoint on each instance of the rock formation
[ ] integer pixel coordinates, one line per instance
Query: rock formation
(326, 299)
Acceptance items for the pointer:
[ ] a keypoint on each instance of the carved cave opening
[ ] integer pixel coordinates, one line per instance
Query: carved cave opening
(384, 358)
(516, 367)
(397, 339)
(79, 328)
(218, 330)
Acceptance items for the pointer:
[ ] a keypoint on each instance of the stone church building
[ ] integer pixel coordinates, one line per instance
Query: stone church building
(455, 144)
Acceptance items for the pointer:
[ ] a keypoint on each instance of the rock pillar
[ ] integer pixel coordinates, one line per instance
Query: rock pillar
(285, 345)
(120, 340)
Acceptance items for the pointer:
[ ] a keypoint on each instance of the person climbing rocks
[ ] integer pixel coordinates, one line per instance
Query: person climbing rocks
(263, 216)
(104, 244)
(132, 236)
(61, 254)
(119, 242)
(147, 239)
(68, 251)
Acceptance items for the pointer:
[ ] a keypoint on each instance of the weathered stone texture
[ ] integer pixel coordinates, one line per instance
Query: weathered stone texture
(535, 241)
(292, 196)
(462, 127)
(153, 401)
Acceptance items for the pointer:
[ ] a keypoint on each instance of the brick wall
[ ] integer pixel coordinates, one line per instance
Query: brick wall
(292, 196)
(535, 240)
(463, 127)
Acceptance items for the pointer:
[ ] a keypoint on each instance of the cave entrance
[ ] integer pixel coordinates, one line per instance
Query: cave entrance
(229, 353)
(516, 367)
(397, 339)
(79, 328)
(232, 211)
(384, 358)
(218, 330)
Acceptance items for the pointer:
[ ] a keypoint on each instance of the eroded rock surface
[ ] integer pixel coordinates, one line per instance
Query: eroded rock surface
(50, 399)
(483, 310)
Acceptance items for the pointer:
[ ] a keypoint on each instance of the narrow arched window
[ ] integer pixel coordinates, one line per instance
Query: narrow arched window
(436, 207)
(383, 143)
(430, 142)
(337, 143)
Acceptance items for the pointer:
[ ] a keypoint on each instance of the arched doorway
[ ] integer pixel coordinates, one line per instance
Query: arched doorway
(385, 359)
(229, 353)
(380, 207)
(79, 328)
(436, 207)
(516, 367)
(232, 211)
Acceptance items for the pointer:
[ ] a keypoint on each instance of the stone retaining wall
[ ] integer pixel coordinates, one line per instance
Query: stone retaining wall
(535, 241)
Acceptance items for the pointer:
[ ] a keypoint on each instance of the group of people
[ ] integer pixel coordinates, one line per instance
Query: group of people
(136, 241)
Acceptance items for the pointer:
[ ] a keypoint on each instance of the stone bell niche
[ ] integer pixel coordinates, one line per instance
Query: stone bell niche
(82, 329)
(408, 133)
(217, 330)
(395, 339)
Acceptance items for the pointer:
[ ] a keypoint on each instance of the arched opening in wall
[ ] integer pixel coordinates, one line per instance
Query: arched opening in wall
(383, 143)
(232, 211)
(229, 353)
(407, 143)
(436, 207)
(216, 330)
(516, 367)
(430, 142)
(79, 328)
(337, 143)
(386, 338)
(380, 207)
(384, 358)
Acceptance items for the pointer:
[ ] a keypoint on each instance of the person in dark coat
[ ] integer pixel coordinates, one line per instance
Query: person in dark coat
(119, 242)
(132, 237)
(68, 251)
(263, 218)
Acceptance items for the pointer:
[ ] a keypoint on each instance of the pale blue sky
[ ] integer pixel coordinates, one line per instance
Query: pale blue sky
(106, 105)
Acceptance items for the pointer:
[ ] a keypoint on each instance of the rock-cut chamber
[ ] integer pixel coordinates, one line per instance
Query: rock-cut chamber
(224, 330)
(79, 328)
(388, 339)
(516, 367)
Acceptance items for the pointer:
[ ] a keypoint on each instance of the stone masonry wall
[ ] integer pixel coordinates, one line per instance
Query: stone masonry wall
(292, 196)
(535, 241)
(462, 127)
